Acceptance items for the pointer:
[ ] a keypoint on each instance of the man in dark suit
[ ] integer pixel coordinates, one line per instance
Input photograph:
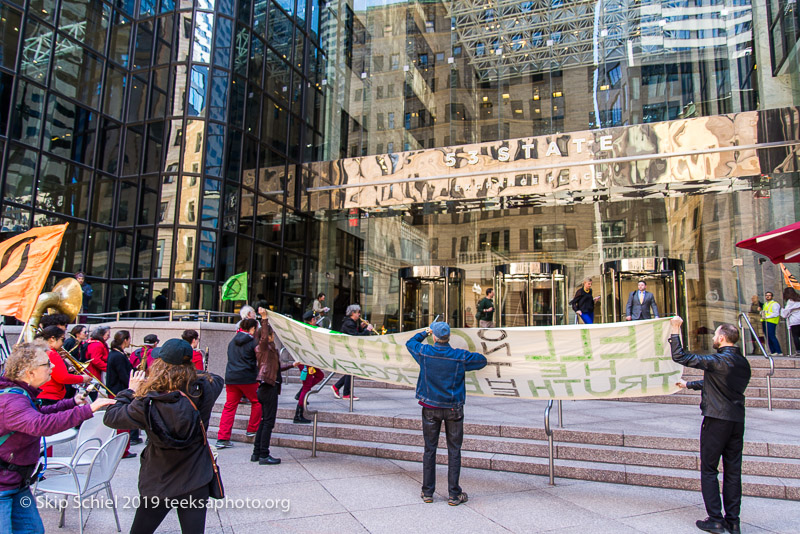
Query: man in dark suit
(640, 302)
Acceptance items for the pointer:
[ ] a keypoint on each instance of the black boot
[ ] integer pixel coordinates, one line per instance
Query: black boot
(298, 416)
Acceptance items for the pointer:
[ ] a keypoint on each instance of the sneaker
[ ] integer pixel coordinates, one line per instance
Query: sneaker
(733, 527)
(455, 501)
(709, 525)
(224, 443)
(269, 460)
(426, 498)
(336, 392)
(347, 397)
(250, 434)
(129, 455)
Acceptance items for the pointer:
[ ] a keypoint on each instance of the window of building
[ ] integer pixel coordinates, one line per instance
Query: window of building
(377, 63)
(395, 61)
(523, 239)
(454, 242)
(537, 237)
(390, 147)
(380, 123)
(391, 120)
(464, 247)
(572, 239)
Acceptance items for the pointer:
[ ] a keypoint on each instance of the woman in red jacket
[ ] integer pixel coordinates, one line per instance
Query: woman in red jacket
(97, 352)
(55, 389)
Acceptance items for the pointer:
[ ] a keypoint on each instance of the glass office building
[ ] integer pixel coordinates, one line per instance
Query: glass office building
(406, 155)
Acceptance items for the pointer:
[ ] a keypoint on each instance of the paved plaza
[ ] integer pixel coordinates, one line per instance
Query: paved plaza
(344, 493)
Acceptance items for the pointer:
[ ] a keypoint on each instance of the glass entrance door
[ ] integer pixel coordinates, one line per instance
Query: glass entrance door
(530, 294)
(430, 292)
(665, 279)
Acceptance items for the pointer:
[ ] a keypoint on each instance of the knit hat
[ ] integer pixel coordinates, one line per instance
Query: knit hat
(440, 329)
(176, 352)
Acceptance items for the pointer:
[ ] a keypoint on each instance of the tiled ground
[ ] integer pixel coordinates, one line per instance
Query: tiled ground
(335, 493)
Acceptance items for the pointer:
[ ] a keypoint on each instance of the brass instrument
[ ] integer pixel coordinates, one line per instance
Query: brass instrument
(366, 324)
(66, 297)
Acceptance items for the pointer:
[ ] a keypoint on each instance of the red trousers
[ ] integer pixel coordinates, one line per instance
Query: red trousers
(310, 382)
(234, 394)
(128, 446)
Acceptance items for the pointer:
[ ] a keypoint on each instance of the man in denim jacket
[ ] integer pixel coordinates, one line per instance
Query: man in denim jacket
(441, 393)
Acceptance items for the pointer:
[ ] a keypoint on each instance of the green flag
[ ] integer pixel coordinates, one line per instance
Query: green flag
(235, 287)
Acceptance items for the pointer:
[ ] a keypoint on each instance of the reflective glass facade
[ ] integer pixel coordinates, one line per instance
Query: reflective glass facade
(182, 141)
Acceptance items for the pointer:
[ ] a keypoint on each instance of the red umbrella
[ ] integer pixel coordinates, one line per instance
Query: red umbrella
(780, 246)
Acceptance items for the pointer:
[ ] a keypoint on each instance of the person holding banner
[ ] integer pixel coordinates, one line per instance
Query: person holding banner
(352, 325)
(441, 392)
(725, 378)
(791, 312)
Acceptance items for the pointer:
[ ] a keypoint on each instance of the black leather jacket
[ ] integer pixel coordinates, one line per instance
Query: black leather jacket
(725, 377)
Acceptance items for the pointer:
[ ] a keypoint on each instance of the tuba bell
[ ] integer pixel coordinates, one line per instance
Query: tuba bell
(66, 297)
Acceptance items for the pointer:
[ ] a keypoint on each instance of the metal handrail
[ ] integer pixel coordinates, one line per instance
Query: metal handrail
(316, 412)
(560, 414)
(763, 351)
(163, 315)
(549, 432)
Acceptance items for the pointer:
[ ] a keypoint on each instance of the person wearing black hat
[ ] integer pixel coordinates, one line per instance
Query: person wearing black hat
(441, 392)
(173, 404)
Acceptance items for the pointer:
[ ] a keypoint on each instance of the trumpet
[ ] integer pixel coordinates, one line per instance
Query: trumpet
(80, 368)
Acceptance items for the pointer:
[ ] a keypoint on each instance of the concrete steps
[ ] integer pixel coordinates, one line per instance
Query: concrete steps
(769, 470)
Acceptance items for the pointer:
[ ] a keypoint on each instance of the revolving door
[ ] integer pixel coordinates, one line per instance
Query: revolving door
(665, 279)
(430, 291)
(530, 294)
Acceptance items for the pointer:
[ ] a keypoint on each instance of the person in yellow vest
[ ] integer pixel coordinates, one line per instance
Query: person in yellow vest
(771, 313)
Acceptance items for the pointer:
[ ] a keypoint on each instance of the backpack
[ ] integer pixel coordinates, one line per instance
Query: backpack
(19, 391)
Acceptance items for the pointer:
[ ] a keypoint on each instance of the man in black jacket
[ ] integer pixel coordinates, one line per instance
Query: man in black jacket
(240, 380)
(352, 326)
(725, 378)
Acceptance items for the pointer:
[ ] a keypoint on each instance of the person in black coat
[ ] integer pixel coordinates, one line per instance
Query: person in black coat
(176, 463)
(75, 343)
(583, 302)
(240, 381)
(352, 326)
(725, 378)
(118, 373)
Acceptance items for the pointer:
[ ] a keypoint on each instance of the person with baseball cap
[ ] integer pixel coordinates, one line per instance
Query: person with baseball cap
(173, 404)
(441, 392)
(145, 353)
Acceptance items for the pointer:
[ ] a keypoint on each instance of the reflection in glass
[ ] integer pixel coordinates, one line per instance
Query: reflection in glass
(230, 208)
(268, 220)
(211, 203)
(115, 92)
(163, 257)
(63, 188)
(193, 149)
(247, 212)
(169, 196)
(174, 141)
(203, 31)
(184, 253)
(190, 200)
(256, 61)
(180, 93)
(206, 255)
(278, 77)
(19, 175)
(121, 29)
(222, 45)
(149, 205)
(103, 200)
(98, 254)
(143, 48)
(197, 92)
(29, 110)
(36, 47)
(123, 254)
(163, 46)
(218, 105)
(144, 256)
(126, 204)
(154, 146)
(233, 168)
(9, 39)
(70, 254)
(70, 130)
(134, 146)
(240, 50)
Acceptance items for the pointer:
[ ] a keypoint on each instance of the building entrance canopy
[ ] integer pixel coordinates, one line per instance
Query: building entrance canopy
(705, 149)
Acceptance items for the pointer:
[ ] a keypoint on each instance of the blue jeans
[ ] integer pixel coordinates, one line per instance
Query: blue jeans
(587, 318)
(18, 512)
(774, 346)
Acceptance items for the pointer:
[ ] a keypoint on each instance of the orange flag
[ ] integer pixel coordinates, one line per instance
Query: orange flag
(25, 262)
(789, 278)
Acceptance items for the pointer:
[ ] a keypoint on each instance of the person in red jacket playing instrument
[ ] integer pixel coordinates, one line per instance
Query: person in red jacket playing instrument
(55, 389)
(97, 352)
(193, 339)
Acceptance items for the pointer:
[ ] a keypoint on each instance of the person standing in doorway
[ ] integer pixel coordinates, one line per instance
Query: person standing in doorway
(583, 302)
(725, 378)
(791, 312)
(640, 303)
(485, 310)
(87, 292)
(441, 392)
(771, 313)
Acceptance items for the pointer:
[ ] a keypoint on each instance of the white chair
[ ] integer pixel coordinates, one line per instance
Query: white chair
(91, 435)
(102, 466)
